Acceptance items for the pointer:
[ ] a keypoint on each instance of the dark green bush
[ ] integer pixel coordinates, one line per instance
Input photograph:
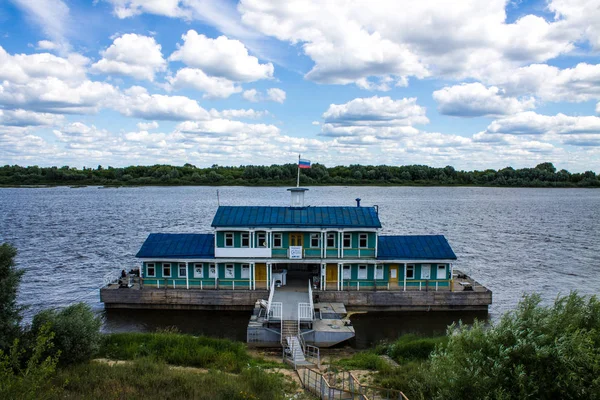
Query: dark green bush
(535, 352)
(413, 347)
(76, 329)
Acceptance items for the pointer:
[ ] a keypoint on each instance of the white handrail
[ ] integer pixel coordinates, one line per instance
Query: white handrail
(310, 299)
(276, 310)
(271, 292)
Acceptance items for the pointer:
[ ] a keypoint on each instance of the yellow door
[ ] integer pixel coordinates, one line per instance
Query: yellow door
(296, 239)
(394, 274)
(261, 275)
(332, 273)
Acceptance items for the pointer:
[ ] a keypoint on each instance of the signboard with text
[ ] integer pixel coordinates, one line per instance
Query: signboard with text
(296, 252)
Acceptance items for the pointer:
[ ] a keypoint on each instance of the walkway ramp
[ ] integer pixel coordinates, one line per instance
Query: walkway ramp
(289, 301)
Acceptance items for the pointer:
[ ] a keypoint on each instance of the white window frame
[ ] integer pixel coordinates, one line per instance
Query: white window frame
(261, 239)
(213, 271)
(362, 268)
(315, 240)
(229, 271)
(330, 240)
(229, 236)
(199, 266)
(361, 237)
(148, 266)
(437, 272)
(410, 267)
(184, 266)
(278, 237)
(170, 270)
(426, 268)
(245, 271)
(348, 236)
(245, 238)
(346, 272)
(378, 272)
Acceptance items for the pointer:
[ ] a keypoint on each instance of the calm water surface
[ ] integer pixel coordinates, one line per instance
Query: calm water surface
(514, 241)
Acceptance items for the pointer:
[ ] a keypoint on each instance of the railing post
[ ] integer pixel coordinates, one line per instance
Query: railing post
(200, 285)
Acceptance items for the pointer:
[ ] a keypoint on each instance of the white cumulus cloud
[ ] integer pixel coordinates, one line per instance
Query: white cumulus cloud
(221, 57)
(474, 100)
(133, 55)
(212, 86)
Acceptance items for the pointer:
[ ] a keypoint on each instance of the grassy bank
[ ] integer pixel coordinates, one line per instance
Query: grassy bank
(177, 349)
(150, 379)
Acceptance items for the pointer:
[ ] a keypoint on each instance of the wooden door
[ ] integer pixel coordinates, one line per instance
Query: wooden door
(296, 239)
(332, 273)
(394, 271)
(261, 275)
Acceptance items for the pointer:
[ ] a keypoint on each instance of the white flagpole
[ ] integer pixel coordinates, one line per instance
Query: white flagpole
(298, 179)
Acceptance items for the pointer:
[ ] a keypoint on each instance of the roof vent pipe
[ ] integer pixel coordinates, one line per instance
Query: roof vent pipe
(357, 202)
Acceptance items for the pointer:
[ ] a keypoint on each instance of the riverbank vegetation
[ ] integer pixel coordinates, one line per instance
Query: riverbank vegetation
(536, 351)
(543, 175)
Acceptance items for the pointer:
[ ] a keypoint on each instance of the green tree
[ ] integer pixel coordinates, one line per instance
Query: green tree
(10, 311)
(76, 329)
(535, 352)
(29, 379)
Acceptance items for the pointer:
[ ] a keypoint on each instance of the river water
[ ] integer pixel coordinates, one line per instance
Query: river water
(512, 240)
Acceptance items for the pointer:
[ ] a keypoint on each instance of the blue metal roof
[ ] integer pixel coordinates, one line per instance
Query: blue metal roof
(178, 245)
(292, 217)
(430, 247)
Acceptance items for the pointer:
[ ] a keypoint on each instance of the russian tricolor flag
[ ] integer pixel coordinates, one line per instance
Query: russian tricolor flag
(303, 163)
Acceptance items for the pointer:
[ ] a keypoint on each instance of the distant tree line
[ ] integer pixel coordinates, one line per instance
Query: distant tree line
(543, 175)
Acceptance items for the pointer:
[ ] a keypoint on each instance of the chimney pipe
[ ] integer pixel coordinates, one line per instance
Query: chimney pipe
(357, 202)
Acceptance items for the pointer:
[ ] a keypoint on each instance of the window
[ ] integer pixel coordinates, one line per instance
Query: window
(379, 272)
(410, 271)
(229, 239)
(212, 271)
(426, 271)
(150, 271)
(346, 272)
(347, 240)
(245, 239)
(198, 271)
(229, 272)
(261, 239)
(245, 271)
(362, 272)
(363, 241)
(166, 270)
(314, 239)
(331, 239)
(182, 270)
(277, 241)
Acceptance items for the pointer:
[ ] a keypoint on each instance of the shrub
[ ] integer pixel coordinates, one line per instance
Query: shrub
(76, 329)
(534, 352)
(10, 312)
(29, 379)
(413, 347)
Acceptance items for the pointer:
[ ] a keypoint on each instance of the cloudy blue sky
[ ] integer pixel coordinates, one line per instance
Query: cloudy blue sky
(469, 83)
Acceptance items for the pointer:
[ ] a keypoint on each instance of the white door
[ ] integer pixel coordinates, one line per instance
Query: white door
(441, 272)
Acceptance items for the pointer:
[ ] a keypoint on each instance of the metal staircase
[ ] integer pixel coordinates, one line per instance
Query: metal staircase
(295, 350)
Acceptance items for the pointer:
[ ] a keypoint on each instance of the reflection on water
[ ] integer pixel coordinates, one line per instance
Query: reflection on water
(371, 328)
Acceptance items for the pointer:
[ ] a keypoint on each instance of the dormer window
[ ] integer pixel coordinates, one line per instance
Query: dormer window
(229, 239)
(363, 241)
(347, 240)
(331, 239)
(261, 239)
(314, 239)
(245, 239)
